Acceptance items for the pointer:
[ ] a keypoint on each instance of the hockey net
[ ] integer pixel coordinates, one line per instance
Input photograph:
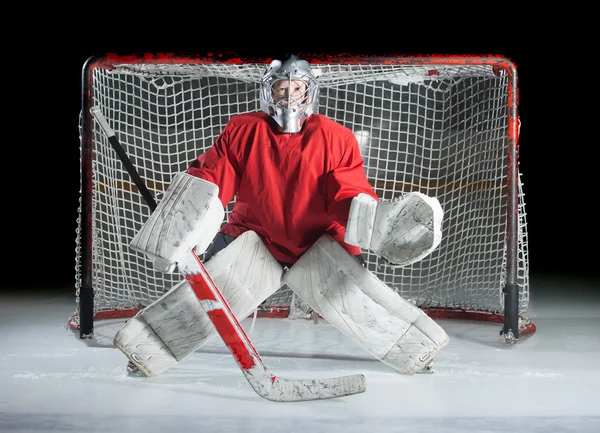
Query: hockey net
(444, 126)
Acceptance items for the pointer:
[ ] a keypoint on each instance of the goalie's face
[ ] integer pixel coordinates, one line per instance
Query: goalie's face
(289, 92)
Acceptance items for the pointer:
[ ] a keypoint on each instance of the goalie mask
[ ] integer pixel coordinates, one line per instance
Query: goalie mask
(289, 92)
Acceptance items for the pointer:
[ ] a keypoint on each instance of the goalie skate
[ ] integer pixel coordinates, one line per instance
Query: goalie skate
(428, 369)
(133, 370)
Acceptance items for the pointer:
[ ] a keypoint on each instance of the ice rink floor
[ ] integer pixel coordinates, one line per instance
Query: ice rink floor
(52, 381)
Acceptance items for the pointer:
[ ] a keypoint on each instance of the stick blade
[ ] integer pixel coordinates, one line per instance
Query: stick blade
(316, 389)
(288, 390)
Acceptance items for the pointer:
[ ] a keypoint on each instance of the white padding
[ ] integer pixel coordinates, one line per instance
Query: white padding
(407, 229)
(361, 220)
(400, 231)
(363, 308)
(189, 216)
(175, 325)
(138, 341)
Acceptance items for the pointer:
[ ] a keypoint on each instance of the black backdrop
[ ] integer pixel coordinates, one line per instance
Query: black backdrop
(42, 77)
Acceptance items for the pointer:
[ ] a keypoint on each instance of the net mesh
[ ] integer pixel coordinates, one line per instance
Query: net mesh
(437, 129)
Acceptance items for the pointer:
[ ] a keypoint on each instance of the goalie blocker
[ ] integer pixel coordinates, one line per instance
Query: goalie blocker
(188, 216)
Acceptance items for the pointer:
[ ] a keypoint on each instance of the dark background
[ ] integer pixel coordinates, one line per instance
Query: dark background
(42, 77)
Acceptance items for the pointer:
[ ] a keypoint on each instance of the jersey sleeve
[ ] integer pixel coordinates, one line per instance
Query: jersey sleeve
(218, 165)
(346, 181)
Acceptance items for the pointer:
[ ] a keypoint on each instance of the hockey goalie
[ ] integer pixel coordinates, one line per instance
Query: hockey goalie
(304, 211)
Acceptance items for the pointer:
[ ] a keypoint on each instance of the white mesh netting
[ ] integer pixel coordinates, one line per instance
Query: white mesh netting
(439, 129)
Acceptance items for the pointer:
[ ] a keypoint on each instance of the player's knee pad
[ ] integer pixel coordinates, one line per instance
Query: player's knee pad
(175, 325)
(363, 308)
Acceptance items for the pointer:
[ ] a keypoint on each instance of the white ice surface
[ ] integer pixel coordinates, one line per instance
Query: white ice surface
(50, 380)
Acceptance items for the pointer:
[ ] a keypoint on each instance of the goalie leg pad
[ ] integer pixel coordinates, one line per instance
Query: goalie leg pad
(175, 325)
(140, 343)
(363, 308)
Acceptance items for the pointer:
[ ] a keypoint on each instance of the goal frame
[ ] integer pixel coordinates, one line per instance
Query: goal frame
(512, 330)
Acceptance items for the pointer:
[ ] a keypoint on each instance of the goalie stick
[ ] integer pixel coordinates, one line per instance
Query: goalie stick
(227, 325)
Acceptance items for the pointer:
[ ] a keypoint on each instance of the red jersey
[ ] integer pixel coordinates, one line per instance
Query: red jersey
(289, 188)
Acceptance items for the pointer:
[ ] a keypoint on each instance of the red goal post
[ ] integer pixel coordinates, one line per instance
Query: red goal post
(446, 126)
